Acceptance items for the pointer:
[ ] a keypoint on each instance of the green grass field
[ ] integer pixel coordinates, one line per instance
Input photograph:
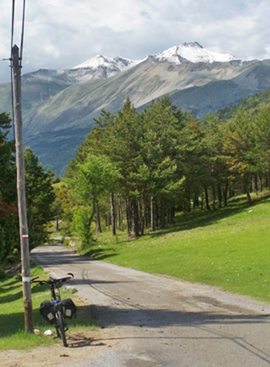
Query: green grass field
(229, 248)
(12, 335)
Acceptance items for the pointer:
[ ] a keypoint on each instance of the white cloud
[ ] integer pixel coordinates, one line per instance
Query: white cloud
(63, 33)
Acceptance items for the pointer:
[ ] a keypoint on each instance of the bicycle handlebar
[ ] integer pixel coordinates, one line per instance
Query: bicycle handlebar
(52, 280)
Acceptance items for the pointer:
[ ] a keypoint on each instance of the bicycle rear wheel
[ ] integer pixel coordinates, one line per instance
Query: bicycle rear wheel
(60, 328)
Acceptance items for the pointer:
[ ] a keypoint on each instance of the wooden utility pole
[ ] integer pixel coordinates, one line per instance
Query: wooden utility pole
(24, 237)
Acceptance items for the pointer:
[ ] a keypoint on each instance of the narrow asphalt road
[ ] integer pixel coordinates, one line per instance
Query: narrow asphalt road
(153, 321)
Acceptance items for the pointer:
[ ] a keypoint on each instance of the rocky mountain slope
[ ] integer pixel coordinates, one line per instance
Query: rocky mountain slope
(59, 105)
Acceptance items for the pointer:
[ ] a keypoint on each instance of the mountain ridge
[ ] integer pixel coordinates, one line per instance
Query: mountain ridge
(59, 105)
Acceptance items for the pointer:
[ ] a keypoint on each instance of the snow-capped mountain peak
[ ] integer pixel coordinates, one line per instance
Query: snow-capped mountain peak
(186, 52)
(103, 66)
(192, 52)
(99, 61)
(114, 64)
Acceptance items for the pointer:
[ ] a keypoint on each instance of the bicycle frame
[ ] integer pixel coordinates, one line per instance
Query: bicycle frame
(58, 309)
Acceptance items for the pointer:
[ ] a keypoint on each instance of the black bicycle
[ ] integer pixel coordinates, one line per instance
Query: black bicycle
(56, 310)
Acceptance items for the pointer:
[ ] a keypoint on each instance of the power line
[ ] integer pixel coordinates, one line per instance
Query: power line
(22, 32)
(21, 49)
(12, 26)
(12, 100)
(11, 65)
(22, 28)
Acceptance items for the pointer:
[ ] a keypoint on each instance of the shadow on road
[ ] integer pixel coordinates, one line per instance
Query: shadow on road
(155, 325)
(158, 318)
(51, 258)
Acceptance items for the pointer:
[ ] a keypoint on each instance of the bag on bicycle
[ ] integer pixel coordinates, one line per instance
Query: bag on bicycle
(46, 309)
(69, 308)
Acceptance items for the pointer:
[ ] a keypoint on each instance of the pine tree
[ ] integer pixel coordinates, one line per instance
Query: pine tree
(9, 237)
(240, 149)
(40, 198)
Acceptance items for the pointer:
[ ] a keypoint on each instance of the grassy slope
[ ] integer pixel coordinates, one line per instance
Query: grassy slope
(229, 248)
(12, 335)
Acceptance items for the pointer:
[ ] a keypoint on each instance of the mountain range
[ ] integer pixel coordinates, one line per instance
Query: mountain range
(59, 106)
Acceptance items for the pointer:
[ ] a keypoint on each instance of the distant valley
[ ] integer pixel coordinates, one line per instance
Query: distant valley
(59, 105)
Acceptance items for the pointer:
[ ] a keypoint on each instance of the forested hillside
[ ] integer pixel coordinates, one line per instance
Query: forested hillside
(252, 104)
(135, 170)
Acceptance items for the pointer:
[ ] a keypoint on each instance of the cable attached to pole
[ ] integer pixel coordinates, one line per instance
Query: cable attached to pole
(12, 26)
(21, 50)
(11, 67)
(12, 100)
(22, 32)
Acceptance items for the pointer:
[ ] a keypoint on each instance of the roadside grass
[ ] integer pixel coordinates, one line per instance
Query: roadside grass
(12, 335)
(228, 248)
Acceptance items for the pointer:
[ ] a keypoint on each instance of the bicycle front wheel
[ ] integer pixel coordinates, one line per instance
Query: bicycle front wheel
(60, 328)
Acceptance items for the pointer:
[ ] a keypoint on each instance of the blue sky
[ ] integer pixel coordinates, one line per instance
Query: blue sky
(64, 33)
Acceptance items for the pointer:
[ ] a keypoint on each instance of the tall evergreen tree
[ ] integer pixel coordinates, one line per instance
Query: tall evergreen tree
(39, 196)
(240, 148)
(9, 238)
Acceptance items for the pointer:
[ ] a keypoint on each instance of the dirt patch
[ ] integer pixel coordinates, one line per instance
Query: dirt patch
(82, 346)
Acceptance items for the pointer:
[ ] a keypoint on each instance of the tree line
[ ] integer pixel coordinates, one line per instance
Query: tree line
(137, 169)
(39, 194)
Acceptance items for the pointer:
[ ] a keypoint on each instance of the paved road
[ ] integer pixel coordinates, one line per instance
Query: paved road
(154, 321)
